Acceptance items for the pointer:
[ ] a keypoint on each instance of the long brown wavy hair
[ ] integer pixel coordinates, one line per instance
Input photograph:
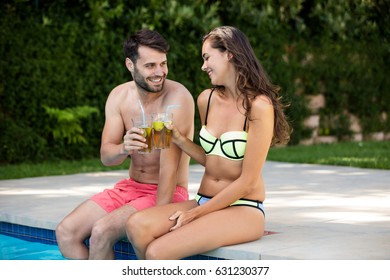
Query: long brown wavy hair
(252, 79)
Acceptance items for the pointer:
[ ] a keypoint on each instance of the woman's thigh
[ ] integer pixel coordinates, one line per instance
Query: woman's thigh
(155, 220)
(233, 225)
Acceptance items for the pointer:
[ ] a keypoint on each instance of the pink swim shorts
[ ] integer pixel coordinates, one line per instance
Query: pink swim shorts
(135, 194)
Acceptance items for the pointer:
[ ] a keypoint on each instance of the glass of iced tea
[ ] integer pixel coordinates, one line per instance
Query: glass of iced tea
(144, 122)
(168, 132)
(161, 133)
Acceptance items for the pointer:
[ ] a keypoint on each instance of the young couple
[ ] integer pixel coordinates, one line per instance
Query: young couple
(241, 115)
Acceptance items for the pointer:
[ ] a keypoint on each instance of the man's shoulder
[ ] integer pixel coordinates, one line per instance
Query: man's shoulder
(119, 94)
(177, 89)
(121, 88)
(175, 86)
(120, 91)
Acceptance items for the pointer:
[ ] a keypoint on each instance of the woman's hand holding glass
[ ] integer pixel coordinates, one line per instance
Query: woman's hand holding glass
(176, 135)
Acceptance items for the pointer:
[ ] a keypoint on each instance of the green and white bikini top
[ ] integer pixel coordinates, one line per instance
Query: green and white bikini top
(230, 145)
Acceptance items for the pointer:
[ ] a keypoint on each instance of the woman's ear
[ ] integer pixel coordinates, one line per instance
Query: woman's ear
(129, 64)
(230, 55)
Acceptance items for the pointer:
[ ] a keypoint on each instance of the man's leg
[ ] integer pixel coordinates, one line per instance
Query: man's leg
(76, 227)
(107, 231)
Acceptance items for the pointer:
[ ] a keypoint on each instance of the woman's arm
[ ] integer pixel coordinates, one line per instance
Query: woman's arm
(186, 145)
(259, 140)
(190, 148)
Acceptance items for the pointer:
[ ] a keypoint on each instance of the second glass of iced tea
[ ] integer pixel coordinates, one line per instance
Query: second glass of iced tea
(161, 134)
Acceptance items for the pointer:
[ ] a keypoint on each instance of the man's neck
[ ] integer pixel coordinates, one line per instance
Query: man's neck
(147, 97)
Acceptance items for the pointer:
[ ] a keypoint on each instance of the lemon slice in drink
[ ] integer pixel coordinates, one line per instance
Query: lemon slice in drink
(147, 131)
(144, 134)
(158, 126)
(168, 124)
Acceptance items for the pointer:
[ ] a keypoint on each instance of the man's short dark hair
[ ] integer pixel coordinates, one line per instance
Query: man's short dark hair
(147, 38)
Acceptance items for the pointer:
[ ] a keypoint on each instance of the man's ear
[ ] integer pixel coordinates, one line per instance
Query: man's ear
(129, 64)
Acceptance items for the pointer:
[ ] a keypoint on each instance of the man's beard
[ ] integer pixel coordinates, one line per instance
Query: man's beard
(140, 81)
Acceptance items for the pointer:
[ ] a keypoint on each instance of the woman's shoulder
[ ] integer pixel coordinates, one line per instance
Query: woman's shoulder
(261, 104)
(204, 96)
(261, 100)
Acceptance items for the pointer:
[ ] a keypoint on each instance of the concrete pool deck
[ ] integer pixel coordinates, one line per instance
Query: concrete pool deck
(317, 212)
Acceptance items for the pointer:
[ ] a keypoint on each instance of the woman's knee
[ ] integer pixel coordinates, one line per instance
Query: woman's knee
(155, 252)
(136, 226)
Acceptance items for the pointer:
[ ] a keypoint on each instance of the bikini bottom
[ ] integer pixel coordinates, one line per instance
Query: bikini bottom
(200, 199)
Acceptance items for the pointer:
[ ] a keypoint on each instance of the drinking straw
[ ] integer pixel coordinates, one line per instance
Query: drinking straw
(143, 112)
(169, 107)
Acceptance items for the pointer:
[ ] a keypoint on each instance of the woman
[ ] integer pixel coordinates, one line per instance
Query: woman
(242, 117)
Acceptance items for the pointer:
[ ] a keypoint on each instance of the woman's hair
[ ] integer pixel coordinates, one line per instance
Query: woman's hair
(147, 38)
(251, 80)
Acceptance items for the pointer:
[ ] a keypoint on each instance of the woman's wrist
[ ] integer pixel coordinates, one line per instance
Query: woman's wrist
(179, 141)
(196, 212)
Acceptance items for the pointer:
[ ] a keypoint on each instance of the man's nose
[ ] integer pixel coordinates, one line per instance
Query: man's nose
(160, 71)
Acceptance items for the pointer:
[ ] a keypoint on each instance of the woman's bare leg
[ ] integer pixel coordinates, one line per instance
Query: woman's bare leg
(233, 225)
(145, 226)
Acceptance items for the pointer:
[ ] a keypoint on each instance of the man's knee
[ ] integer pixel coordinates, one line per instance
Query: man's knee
(99, 233)
(63, 233)
(103, 235)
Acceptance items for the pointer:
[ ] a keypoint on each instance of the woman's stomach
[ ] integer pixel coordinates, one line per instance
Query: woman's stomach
(220, 173)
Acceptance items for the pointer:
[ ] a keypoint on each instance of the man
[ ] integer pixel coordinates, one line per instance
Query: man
(157, 178)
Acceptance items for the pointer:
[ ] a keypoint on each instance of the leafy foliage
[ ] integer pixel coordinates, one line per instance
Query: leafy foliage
(67, 123)
(68, 54)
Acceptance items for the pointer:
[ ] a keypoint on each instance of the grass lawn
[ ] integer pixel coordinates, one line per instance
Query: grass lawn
(356, 154)
(25, 170)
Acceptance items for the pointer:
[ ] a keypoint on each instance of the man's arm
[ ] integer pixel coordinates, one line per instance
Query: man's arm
(183, 117)
(116, 144)
(112, 150)
(169, 162)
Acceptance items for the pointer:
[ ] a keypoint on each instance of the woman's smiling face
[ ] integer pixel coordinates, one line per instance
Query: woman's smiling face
(215, 63)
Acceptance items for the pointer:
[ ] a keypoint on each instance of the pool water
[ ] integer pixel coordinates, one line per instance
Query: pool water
(12, 248)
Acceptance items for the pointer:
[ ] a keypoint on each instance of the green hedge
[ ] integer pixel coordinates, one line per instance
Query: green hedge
(67, 55)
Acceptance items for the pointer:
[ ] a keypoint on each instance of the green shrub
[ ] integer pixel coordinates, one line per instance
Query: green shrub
(19, 143)
(67, 123)
(67, 54)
